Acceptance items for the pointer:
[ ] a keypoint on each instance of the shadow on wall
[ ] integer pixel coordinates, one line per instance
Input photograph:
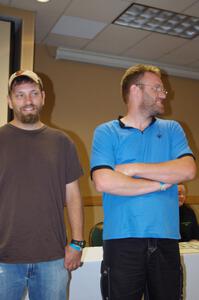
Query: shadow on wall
(170, 96)
(81, 149)
(192, 142)
(168, 114)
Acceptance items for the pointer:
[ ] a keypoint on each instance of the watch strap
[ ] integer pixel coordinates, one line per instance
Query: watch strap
(81, 244)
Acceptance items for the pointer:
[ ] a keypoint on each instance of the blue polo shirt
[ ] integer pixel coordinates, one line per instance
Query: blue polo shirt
(152, 215)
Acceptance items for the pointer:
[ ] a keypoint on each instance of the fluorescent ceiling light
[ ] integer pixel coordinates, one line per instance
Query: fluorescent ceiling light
(78, 27)
(119, 62)
(159, 20)
(43, 1)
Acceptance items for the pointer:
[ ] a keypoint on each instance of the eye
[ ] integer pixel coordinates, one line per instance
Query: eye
(158, 88)
(19, 95)
(35, 93)
(161, 89)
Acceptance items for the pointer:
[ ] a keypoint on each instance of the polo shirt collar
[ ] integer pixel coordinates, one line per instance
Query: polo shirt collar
(123, 126)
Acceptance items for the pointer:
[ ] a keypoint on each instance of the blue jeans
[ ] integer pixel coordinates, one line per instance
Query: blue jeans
(44, 280)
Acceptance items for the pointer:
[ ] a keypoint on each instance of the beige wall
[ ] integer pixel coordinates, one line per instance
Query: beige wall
(27, 50)
(27, 43)
(4, 74)
(92, 215)
(80, 96)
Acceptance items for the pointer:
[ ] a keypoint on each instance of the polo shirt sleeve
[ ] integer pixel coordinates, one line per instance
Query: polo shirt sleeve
(102, 153)
(180, 145)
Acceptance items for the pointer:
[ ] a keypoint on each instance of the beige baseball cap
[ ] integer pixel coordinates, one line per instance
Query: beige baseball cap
(27, 73)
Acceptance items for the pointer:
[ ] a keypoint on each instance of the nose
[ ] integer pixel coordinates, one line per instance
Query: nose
(28, 99)
(163, 94)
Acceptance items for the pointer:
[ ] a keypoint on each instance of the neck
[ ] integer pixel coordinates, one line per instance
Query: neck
(27, 126)
(136, 121)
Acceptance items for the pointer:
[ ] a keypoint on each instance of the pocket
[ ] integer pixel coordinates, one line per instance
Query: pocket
(105, 282)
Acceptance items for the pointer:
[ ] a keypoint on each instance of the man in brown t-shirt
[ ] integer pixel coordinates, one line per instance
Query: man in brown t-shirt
(39, 172)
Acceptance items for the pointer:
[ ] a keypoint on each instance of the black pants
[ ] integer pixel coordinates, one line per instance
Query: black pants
(131, 265)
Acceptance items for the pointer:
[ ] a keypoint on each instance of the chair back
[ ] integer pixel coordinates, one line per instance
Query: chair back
(95, 236)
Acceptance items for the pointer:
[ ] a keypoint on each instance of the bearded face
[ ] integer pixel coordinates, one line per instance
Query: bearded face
(28, 114)
(153, 95)
(26, 101)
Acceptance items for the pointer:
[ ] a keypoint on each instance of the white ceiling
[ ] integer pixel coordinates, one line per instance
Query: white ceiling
(86, 26)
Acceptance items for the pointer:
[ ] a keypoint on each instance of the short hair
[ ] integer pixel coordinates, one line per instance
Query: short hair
(133, 75)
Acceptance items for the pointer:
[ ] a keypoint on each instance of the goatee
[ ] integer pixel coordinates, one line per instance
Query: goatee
(30, 118)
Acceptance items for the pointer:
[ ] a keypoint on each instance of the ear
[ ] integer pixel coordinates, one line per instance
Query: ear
(9, 102)
(134, 88)
(43, 97)
(135, 91)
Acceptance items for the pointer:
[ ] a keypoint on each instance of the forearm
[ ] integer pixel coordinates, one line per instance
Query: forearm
(116, 183)
(173, 171)
(75, 210)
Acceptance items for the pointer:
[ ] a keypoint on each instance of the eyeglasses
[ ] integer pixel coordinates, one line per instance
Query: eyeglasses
(157, 88)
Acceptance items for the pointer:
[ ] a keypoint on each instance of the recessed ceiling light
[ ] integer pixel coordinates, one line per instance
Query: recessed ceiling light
(159, 20)
(43, 1)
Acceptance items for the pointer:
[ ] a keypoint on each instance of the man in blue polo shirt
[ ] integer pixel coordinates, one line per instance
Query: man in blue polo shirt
(137, 162)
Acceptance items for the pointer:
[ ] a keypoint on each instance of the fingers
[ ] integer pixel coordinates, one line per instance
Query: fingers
(71, 266)
(72, 259)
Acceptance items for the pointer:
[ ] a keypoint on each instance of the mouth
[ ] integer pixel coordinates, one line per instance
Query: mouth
(160, 101)
(29, 108)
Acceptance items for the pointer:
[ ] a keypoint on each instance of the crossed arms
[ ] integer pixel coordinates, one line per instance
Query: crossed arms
(121, 181)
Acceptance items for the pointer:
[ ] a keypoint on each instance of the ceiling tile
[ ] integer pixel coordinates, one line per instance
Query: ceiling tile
(184, 55)
(63, 41)
(156, 45)
(103, 10)
(46, 14)
(121, 39)
(194, 64)
(5, 2)
(77, 27)
(193, 10)
(173, 5)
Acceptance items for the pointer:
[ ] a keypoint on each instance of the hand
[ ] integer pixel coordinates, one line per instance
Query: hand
(72, 259)
(126, 169)
(167, 186)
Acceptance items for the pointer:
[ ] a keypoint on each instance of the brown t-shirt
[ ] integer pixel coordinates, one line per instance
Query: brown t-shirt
(35, 167)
